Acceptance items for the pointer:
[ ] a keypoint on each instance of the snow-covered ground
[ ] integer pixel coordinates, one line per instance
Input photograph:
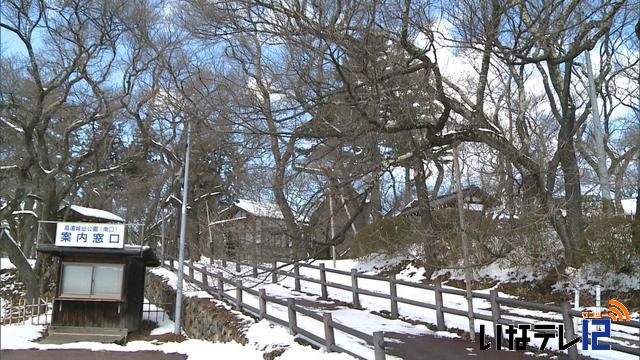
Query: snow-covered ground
(367, 322)
(263, 338)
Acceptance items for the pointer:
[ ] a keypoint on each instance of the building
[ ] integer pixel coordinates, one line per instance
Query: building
(254, 232)
(100, 284)
(474, 198)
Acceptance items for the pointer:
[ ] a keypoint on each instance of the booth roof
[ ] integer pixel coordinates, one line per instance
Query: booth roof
(145, 253)
(95, 214)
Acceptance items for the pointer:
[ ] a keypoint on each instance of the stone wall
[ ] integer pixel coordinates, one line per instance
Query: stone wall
(202, 318)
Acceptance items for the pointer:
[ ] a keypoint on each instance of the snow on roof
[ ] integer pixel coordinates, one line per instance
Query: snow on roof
(96, 213)
(25, 212)
(268, 210)
(218, 222)
(629, 206)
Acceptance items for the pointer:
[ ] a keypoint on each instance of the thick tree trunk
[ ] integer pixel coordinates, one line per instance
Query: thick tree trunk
(45, 270)
(425, 217)
(572, 192)
(17, 257)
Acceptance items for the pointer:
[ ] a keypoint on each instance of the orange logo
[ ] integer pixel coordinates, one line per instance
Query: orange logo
(617, 312)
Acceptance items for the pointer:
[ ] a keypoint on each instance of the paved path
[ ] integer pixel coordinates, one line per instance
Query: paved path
(431, 347)
(87, 355)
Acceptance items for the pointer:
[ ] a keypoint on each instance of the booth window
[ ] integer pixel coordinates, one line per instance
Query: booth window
(92, 280)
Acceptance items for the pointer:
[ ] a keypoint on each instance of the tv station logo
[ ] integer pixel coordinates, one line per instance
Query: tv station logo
(596, 325)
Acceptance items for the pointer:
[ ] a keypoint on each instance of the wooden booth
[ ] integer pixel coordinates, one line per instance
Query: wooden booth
(100, 286)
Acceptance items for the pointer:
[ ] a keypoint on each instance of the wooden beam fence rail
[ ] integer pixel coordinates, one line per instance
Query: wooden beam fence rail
(219, 290)
(496, 316)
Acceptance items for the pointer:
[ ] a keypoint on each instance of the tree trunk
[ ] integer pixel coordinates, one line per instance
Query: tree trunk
(425, 217)
(45, 269)
(572, 192)
(17, 257)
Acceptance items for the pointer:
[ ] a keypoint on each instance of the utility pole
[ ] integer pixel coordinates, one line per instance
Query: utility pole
(183, 233)
(162, 253)
(637, 216)
(603, 174)
(333, 227)
(463, 239)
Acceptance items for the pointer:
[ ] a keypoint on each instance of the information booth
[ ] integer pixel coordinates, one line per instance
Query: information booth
(100, 286)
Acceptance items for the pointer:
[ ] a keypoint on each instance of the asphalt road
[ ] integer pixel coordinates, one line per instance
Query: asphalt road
(86, 355)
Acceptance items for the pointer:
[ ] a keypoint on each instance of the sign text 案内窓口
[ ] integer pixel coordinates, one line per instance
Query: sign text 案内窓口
(94, 235)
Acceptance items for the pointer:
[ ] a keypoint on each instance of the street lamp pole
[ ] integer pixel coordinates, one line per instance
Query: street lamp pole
(183, 233)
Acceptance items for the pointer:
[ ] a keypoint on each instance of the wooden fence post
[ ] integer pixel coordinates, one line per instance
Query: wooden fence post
(191, 276)
(329, 340)
(237, 265)
(354, 289)
(32, 309)
(296, 276)
(378, 345)
(24, 310)
(220, 285)
(393, 294)
(239, 294)
(439, 305)
(293, 321)
(495, 315)
(205, 280)
(262, 293)
(323, 283)
(274, 274)
(569, 331)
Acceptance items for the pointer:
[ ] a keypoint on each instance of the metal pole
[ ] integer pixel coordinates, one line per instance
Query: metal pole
(183, 233)
(333, 229)
(603, 175)
(162, 238)
(465, 245)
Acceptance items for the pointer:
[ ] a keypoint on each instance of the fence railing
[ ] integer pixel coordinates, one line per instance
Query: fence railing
(218, 288)
(155, 311)
(37, 311)
(499, 306)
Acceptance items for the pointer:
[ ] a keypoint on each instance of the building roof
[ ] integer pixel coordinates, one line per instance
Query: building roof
(258, 209)
(81, 213)
(450, 199)
(145, 253)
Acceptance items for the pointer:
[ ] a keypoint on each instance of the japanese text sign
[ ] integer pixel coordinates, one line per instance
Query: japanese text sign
(92, 235)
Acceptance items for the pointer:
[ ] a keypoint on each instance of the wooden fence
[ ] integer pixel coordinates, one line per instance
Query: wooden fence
(37, 311)
(377, 340)
(155, 311)
(327, 340)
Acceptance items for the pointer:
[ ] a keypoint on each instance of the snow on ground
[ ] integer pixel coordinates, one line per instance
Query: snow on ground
(263, 337)
(498, 270)
(6, 264)
(367, 322)
(589, 275)
(268, 337)
(23, 337)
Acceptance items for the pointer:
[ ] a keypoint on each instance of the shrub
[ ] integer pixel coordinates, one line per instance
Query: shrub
(387, 236)
(609, 243)
(393, 236)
